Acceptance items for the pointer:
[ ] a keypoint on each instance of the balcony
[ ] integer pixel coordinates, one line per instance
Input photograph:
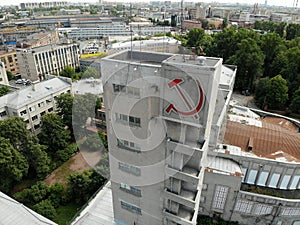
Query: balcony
(187, 174)
(185, 216)
(185, 197)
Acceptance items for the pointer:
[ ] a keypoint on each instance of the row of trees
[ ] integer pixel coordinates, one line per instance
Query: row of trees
(256, 55)
(45, 200)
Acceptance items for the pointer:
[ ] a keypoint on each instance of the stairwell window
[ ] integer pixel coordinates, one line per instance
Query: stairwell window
(133, 121)
(131, 190)
(131, 207)
(128, 145)
(129, 169)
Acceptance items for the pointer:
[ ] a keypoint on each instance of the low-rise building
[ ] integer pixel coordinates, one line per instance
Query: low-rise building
(3, 75)
(9, 58)
(34, 101)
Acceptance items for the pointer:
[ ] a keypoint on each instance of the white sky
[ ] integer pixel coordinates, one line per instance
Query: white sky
(270, 2)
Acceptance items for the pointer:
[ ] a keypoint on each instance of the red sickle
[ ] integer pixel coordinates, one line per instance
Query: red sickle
(175, 83)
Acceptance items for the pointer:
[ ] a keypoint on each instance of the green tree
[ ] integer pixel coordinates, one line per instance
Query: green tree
(249, 59)
(292, 31)
(91, 72)
(68, 71)
(45, 208)
(271, 46)
(224, 23)
(194, 37)
(277, 93)
(4, 90)
(53, 133)
(10, 76)
(13, 165)
(295, 104)
(14, 129)
(64, 106)
(261, 90)
(64, 154)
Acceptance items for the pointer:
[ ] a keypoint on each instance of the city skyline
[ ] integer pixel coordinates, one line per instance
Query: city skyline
(288, 3)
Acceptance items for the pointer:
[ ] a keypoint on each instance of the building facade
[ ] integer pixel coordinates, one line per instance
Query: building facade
(9, 58)
(35, 63)
(159, 112)
(3, 75)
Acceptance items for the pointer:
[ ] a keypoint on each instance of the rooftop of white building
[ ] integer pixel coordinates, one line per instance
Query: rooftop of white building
(34, 92)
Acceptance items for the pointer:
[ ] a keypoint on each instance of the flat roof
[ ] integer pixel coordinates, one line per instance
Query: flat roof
(32, 93)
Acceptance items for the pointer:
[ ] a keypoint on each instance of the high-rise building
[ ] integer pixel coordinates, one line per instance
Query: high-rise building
(160, 116)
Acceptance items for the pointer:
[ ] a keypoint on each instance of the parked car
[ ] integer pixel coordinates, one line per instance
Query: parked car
(21, 81)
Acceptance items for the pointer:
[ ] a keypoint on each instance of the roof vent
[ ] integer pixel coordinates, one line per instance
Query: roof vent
(201, 60)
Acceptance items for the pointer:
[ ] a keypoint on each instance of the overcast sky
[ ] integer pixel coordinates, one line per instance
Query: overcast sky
(270, 2)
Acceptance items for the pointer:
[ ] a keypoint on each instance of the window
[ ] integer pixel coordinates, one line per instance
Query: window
(36, 126)
(128, 145)
(48, 101)
(244, 171)
(133, 121)
(290, 212)
(285, 181)
(130, 169)
(295, 182)
(220, 197)
(41, 104)
(26, 121)
(131, 190)
(131, 207)
(262, 178)
(34, 118)
(50, 109)
(119, 88)
(274, 180)
(261, 209)
(133, 91)
(252, 177)
(3, 113)
(32, 108)
(243, 206)
(24, 112)
(43, 113)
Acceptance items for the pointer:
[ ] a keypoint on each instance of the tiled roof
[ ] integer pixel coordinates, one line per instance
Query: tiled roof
(272, 140)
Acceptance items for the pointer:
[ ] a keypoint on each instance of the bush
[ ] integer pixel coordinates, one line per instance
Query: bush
(45, 208)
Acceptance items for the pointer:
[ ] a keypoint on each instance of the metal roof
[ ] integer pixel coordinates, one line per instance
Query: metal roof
(15, 213)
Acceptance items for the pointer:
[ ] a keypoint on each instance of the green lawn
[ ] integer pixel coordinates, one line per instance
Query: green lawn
(65, 213)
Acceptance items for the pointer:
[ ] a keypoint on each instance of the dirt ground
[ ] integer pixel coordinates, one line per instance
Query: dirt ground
(76, 163)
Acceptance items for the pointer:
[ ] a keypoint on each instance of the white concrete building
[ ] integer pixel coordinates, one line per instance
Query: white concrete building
(35, 63)
(159, 114)
(34, 101)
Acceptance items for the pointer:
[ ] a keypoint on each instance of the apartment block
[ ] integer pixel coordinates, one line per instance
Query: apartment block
(34, 101)
(3, 75)
(159, 112)
(35, 63)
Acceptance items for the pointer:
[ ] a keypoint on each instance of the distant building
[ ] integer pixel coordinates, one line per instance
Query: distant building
(34, 101)
(9, 58)
(190, 24)
(35, 63)
(39, 39)
(33, 5)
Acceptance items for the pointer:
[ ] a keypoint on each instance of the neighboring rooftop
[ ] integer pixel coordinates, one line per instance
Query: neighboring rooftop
(99, 211)
(269, 137)
(34, 92)
(15, 213)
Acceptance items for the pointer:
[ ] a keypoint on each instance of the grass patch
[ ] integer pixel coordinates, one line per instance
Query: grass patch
(65, 213)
